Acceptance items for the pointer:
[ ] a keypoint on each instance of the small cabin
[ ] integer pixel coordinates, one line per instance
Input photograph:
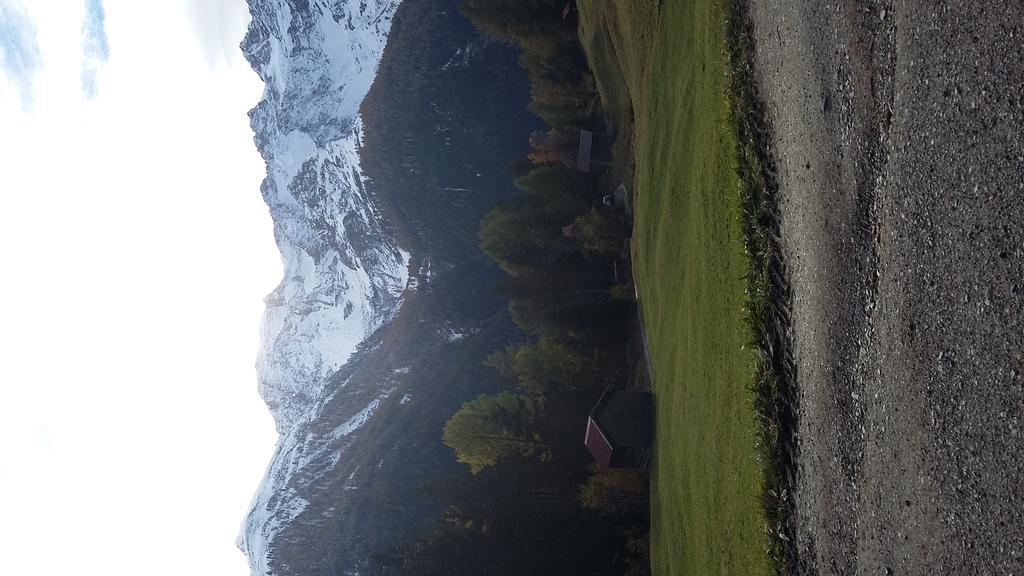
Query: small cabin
(620, 428)
(595, 150)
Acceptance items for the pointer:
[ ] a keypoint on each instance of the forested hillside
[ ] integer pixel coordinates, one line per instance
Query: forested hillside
(444, 120)
(528, 500)
(446, 117)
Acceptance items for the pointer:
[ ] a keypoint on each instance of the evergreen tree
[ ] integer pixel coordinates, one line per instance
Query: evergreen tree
(494, 427)
(557, 146)
(600, 233)
(615, 491)
(503, 361)
(549, 367)
(525, 22)
(524, 235)
(559, 181)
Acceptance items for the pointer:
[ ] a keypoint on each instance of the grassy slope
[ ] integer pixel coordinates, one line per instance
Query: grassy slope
(665, 63)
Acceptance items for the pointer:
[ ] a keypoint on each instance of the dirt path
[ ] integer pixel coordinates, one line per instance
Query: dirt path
(899, 138)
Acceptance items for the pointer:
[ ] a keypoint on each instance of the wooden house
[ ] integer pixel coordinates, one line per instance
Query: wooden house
(620, 429)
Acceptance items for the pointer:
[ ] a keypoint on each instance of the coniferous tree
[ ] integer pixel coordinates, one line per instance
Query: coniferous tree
(549, 367)
(525, 22)
(525, 235)
(556, 146)
(494, 427)
(600, 233)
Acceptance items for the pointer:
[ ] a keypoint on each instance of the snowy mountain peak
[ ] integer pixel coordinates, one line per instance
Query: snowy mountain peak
(318, 59)
(343, 274)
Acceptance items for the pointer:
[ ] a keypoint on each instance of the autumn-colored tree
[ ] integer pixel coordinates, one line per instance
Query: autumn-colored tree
(567, 94)
(614, 490)
(493, 427)
(556, 146)
(600, 233)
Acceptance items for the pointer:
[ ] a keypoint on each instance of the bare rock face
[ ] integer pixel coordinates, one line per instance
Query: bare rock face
(343, 275)
(361, 364)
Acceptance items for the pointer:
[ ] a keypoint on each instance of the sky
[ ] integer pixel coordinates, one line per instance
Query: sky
(135, 251)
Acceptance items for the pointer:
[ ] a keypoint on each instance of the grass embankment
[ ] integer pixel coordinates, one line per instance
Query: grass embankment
(663, 71)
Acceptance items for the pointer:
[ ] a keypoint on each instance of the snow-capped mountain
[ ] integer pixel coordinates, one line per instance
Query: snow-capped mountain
(362, 363)
(343, 275)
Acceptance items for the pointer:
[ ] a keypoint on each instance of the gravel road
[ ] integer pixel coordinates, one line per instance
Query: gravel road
(898, 131)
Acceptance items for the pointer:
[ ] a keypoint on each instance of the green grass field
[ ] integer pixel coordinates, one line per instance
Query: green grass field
(661, 68)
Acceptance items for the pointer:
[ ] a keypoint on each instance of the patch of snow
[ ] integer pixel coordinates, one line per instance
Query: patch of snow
(451, 334)
(317, 68)
(331, 296)
(356, 422)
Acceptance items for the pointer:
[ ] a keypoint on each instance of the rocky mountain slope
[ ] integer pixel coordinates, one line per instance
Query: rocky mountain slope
(370, 344)
(343, 274)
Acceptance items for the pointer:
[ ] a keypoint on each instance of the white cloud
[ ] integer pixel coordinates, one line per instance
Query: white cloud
(215, 24)
(20, 57)
(136, 252)
(95, 46)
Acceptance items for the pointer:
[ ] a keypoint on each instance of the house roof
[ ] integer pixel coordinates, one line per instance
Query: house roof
(624, 417)
(598, 445)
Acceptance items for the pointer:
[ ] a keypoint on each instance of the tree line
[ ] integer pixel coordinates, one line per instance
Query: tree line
(529, 501)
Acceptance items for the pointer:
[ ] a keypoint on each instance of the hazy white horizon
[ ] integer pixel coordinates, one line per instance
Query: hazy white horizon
(136, 250)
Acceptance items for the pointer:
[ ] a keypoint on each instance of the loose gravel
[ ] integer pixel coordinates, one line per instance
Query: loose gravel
(898, 135)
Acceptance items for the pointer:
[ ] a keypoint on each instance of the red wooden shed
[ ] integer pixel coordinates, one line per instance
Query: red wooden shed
(619, 429)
